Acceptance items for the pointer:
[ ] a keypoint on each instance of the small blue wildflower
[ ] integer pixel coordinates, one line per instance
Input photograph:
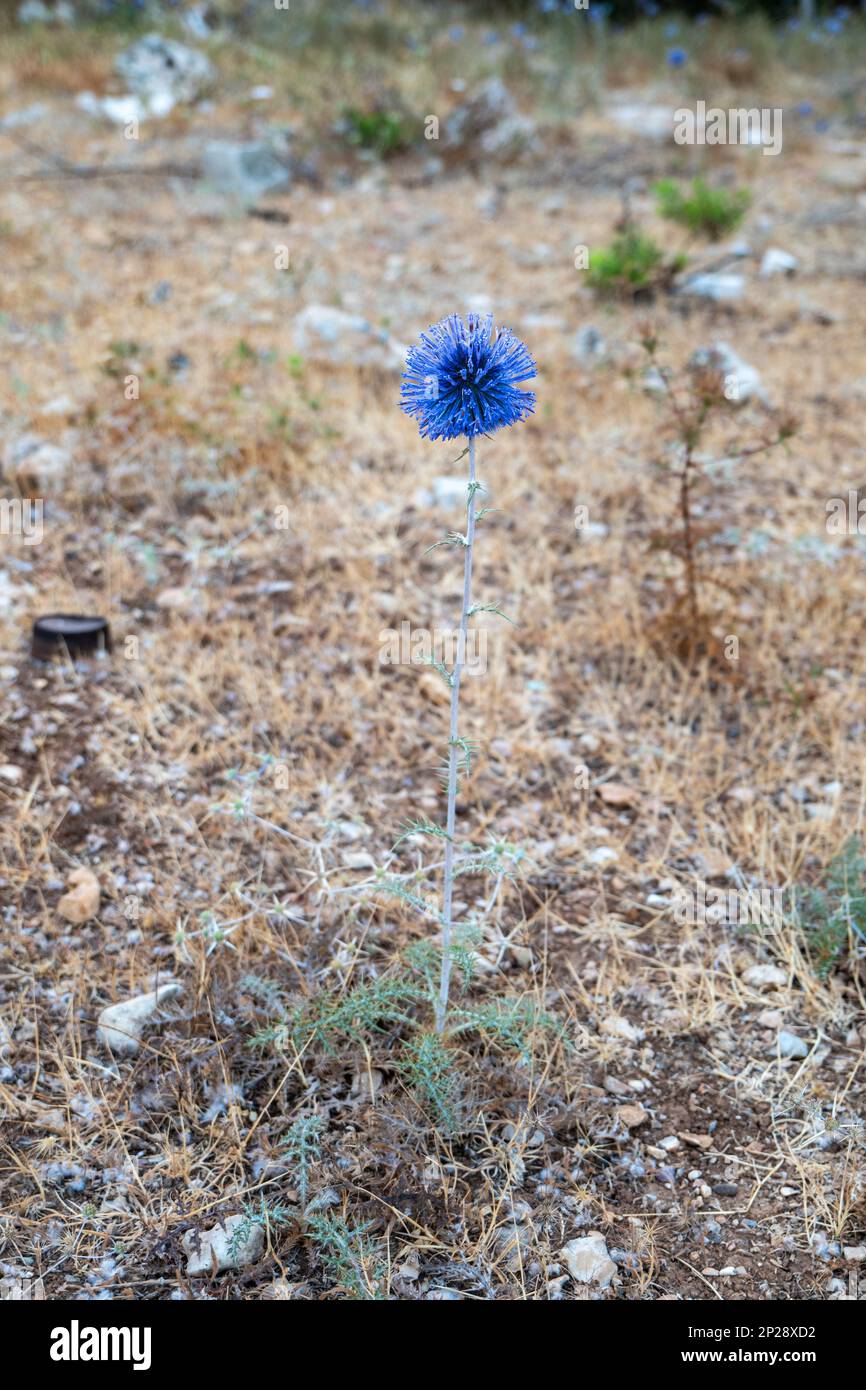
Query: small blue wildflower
(676, 57)
(804, 108)
(461, 379)
(822, 126)
(834, 26)
(456, 32)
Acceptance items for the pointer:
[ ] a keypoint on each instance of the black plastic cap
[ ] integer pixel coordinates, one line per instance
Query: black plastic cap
(59, 633)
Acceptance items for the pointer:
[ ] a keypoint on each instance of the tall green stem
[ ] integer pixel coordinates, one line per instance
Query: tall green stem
(442, 1006)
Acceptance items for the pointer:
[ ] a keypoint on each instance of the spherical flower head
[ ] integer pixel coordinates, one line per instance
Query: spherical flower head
(462, 379)
(677, 57)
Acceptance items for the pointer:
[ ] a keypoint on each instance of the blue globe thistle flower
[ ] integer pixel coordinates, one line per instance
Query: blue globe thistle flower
(462, 379)
(676, 57)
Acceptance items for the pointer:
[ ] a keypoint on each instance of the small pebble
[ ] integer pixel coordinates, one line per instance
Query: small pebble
(789, 1045)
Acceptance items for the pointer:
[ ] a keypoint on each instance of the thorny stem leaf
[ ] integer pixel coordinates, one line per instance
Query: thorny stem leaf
(420, 827)
(441, 669)
(452, 538)
(489, 608)
(454, 745)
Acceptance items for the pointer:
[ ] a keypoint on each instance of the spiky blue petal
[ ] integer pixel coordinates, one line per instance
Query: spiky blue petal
(461, 379)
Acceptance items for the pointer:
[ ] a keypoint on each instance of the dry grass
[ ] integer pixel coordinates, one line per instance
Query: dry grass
(251, 641)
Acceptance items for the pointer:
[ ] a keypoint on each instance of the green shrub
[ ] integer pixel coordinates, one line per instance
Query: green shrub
(633, 262)
(704, 210)
(832, 914)
(382, 132)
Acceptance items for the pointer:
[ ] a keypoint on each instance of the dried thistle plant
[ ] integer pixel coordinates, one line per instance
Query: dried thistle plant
(693, 399)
